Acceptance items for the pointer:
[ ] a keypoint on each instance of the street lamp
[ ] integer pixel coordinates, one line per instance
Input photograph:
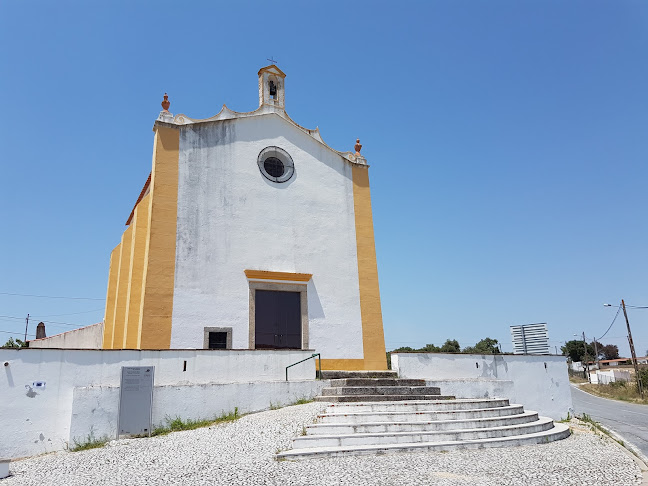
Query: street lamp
(585, 367)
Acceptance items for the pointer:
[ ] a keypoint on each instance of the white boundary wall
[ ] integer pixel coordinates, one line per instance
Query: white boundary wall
(540, 383)
(89, 337)
(35, 420)
(95, 409)
(609, 376)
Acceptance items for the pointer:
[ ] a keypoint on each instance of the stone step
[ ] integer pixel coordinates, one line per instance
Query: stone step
(360, 439)
(418, 405)
(377, 382)
(334, 374)
(376, 398)
(381, 390)
(418, 416)
(557, 432)
(419, 426)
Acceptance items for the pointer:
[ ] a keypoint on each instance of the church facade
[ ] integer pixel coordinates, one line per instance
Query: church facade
(250, 233)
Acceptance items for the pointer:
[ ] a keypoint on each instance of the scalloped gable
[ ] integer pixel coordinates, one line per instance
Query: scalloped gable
(226, 114)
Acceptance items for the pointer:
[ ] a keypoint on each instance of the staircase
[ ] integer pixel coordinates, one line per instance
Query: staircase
(375, 386)
(377, 413)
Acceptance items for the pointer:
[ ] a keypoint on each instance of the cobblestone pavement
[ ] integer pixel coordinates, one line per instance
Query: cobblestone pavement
(242, 453)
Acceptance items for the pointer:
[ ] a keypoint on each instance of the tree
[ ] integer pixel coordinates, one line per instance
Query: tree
(14, 344)
(450, 346)
(404, 349)
(430, 348)
(575, 350)
(609, 351)
(485, 346)
(595, 345)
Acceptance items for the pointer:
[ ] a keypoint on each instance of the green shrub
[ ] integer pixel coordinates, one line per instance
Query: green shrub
(90, 442)
(643, 376)
(176, 424)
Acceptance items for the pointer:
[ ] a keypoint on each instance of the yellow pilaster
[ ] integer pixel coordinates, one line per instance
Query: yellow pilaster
(373, 338)
(139, 224)
(111, 294)
(121, 302)
(160, 249)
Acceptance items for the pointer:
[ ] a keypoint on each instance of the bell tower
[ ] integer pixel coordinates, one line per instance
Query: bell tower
(271, 87)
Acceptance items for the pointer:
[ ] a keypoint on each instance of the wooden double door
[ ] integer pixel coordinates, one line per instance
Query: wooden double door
(278, 322)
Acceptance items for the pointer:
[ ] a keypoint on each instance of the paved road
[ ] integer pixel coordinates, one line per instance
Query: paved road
(628, 419)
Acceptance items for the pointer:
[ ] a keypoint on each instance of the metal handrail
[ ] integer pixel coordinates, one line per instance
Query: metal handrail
(319, 365)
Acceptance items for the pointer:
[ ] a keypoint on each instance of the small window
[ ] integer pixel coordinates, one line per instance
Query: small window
(217, 340)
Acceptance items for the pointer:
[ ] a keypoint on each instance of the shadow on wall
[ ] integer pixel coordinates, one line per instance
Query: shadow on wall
(490, 370)
(315, 309)
(10, 380)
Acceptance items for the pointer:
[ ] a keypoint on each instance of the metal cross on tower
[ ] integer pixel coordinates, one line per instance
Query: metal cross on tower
(271, 60)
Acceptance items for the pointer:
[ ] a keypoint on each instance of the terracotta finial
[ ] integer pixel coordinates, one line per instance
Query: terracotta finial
(358, 147)
(166, 103)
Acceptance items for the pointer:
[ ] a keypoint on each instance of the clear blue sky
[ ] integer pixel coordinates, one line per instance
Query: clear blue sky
(508, 144)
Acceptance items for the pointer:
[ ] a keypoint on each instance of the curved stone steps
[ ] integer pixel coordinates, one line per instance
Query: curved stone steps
(381, 390)
(454, 435)
(377, 382)
(386, 398)
(375, 412)
(419, 405)
(419, 416)
(433, 425)
(557, 432)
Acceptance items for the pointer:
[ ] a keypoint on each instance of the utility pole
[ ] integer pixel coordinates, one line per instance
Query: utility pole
(632, 350)
(596, 355)
(585, 358)
(26, 324)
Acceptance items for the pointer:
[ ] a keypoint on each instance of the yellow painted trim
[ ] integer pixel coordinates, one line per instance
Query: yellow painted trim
(373, 338)
(344, 364)
(139, 223)
(121, 302)
(111, 295)
(160, 250)
(266, 275)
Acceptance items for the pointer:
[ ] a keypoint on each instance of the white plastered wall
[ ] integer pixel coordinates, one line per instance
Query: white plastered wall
(231, 218)
(35, 420)
(95, 409)
(89, 337)
(540, 383)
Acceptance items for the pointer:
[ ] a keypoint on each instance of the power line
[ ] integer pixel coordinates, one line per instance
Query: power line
(69, 314)
(50, 296)
(610, 327)
(19, 332)
(48, 322)
(628, 306)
